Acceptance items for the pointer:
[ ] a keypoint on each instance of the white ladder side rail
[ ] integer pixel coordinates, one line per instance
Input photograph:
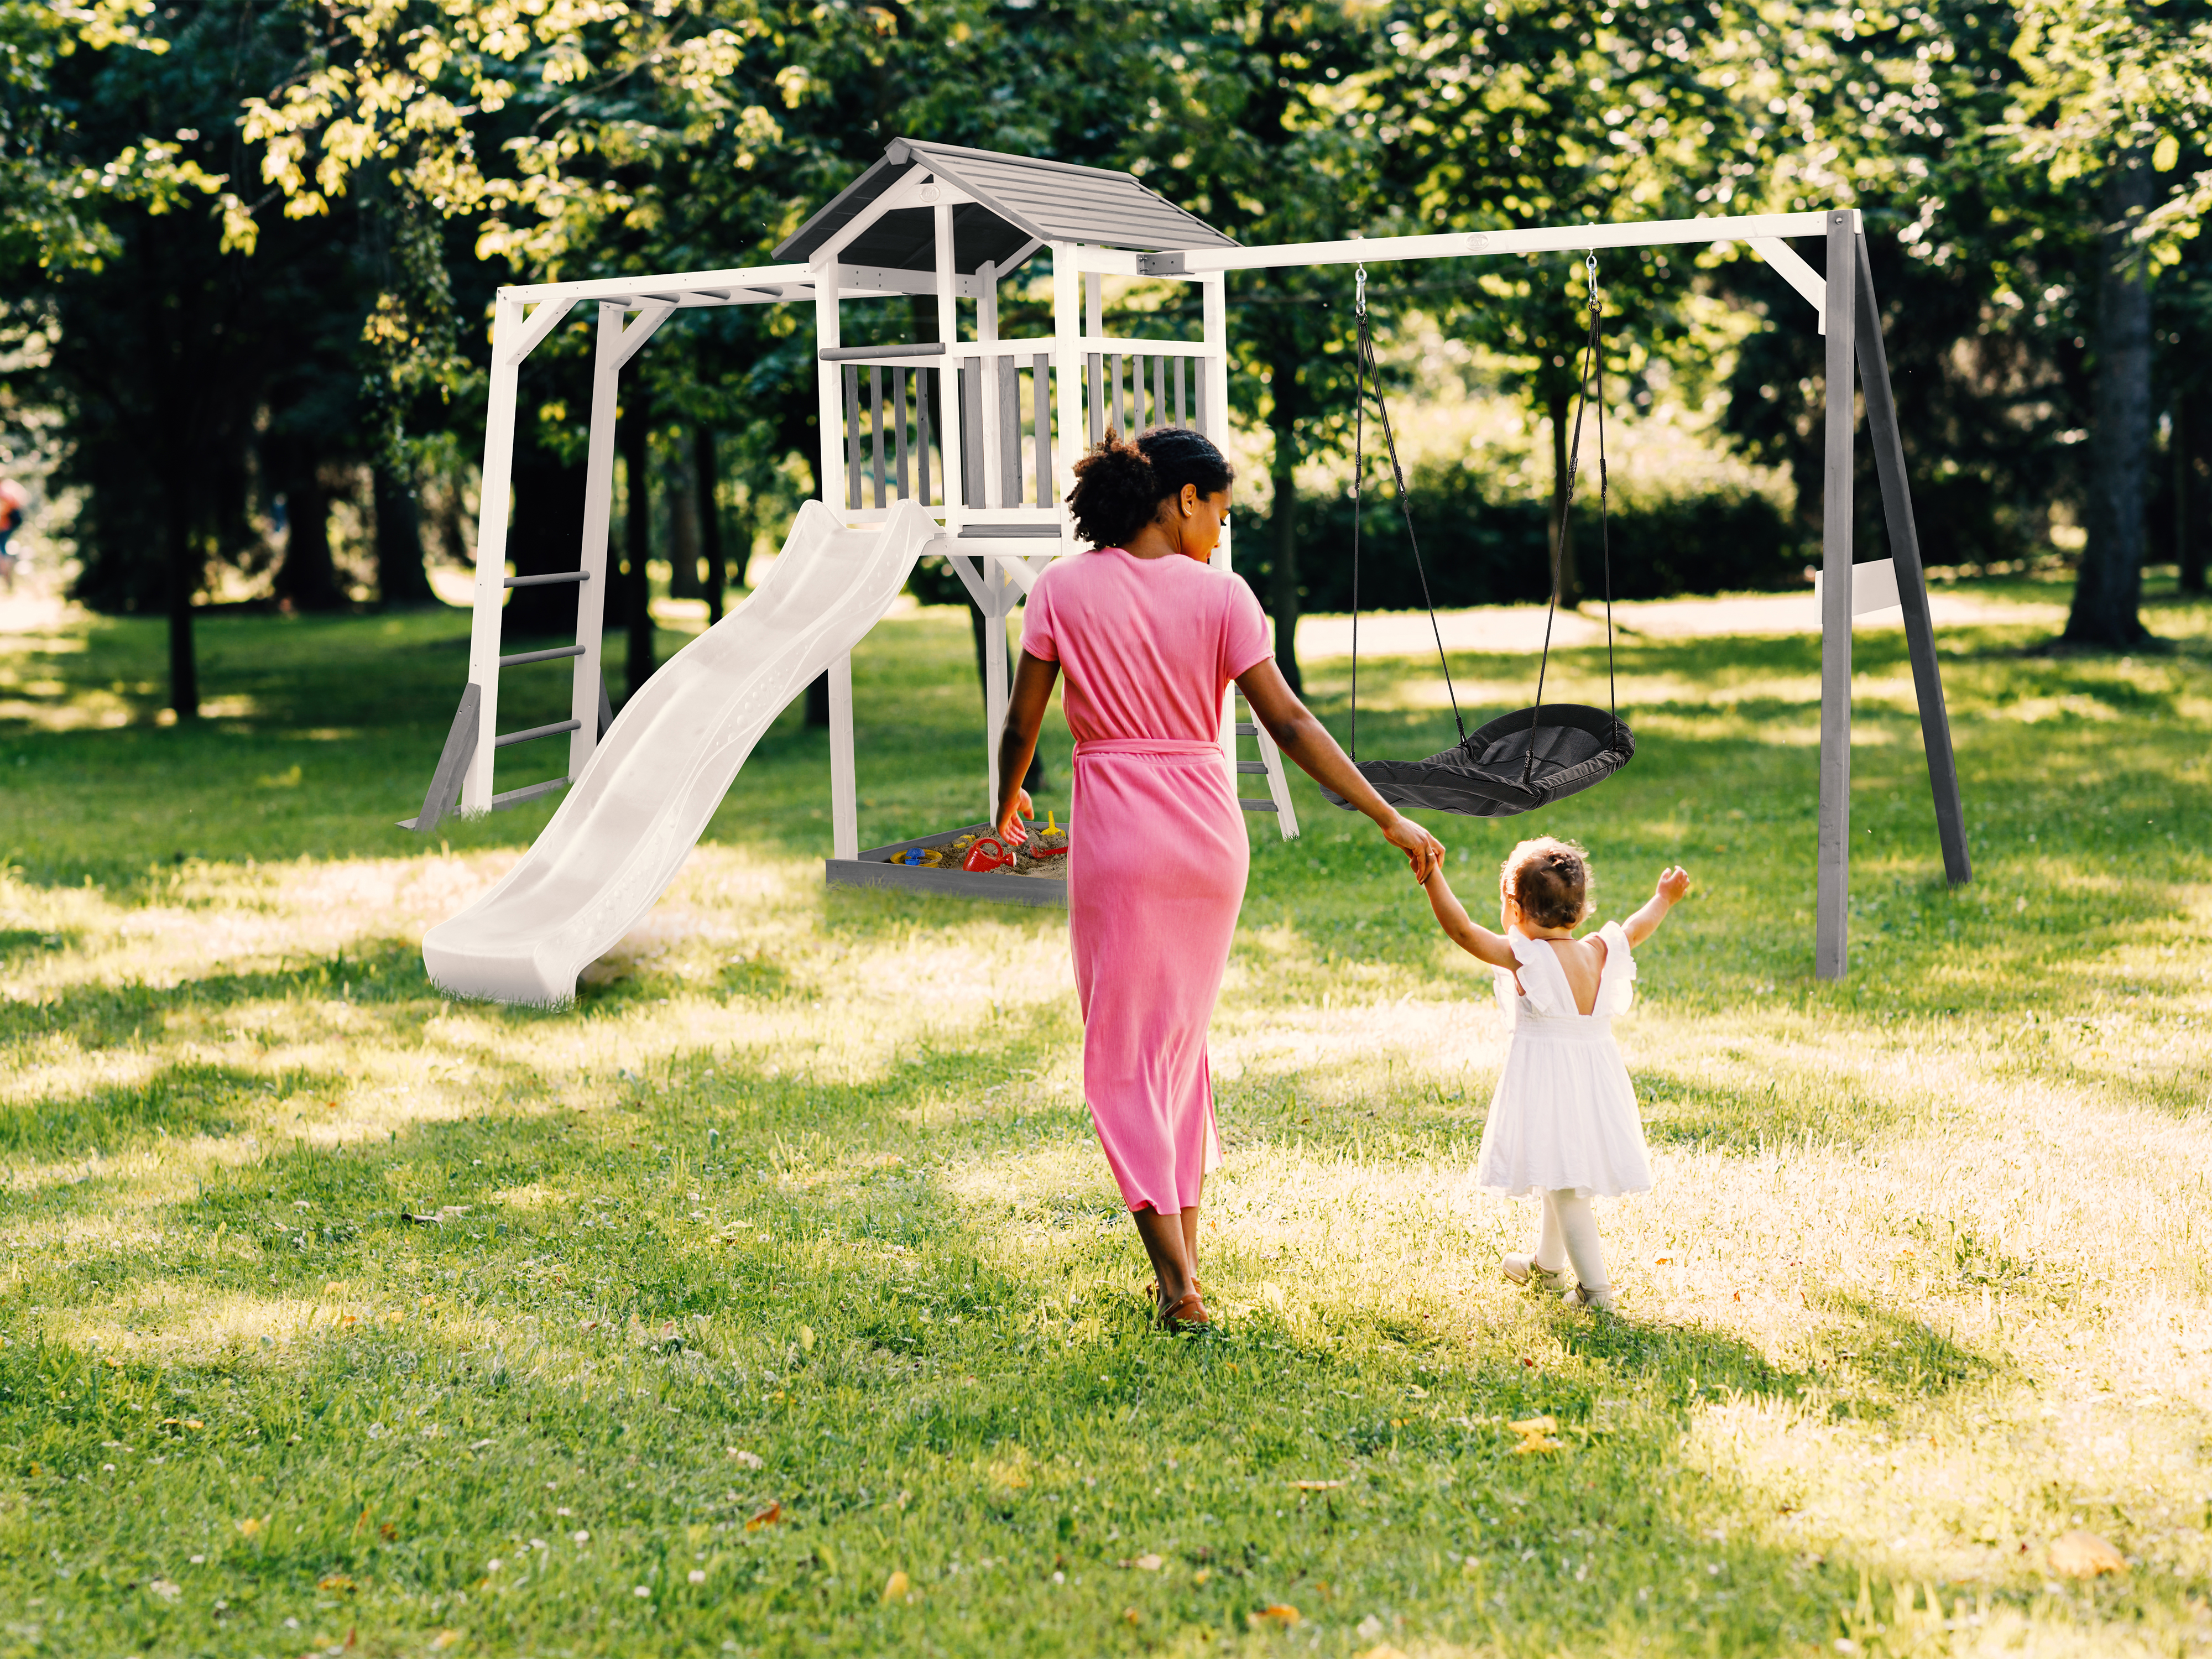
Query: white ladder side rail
(598, 510)
(496, 492)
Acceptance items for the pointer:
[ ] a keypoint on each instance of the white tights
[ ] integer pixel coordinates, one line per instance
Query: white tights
(1570, 1235)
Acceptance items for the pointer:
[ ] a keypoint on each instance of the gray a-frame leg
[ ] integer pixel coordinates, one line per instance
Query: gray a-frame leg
(444, 794)
(1911, 583)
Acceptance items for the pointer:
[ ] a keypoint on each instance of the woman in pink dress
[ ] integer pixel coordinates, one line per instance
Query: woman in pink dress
(1150, 639)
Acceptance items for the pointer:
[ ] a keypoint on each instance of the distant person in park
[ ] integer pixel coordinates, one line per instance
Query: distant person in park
(1563, 1123)
(1150, 639)
(15, 502)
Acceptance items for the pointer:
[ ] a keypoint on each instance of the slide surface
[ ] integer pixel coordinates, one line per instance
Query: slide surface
(629, 821)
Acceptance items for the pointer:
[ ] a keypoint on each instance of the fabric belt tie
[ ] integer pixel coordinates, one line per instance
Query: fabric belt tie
(1164, 748)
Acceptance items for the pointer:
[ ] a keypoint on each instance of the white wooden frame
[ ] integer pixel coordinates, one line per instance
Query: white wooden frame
(997, 572)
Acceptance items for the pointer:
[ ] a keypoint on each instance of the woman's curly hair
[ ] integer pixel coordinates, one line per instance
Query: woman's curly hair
(1120, 484)
(1550, 879)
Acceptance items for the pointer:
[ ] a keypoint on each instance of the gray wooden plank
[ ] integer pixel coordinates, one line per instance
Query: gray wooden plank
(1888, 446)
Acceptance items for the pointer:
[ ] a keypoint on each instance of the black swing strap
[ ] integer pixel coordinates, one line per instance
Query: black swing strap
(1593, 366)
(1365, 369)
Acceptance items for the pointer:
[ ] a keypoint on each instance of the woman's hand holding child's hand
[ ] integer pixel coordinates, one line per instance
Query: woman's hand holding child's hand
(1423, 851)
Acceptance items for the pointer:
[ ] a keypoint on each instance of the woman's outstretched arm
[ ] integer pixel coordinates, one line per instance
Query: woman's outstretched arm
(1033, 678)
(1307, 741)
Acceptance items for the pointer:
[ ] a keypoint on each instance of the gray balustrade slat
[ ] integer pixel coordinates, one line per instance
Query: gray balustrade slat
(921, 435)
(1159, 390)
(898, 421)
(971, 433)
(1121, 421)
(876, 425)
(851, 435)
(1041, 396)
(1095, 385)
(1179, 417)
(1198, 376)
(1008, 374)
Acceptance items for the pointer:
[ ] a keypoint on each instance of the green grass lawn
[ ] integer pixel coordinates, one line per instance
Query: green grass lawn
(775, 1298)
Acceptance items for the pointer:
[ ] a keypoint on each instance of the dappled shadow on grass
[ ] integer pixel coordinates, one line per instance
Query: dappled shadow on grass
(185, 1098)
(375, 974)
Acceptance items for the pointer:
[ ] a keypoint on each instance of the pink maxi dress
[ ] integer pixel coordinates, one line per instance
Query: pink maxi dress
(1157, 858)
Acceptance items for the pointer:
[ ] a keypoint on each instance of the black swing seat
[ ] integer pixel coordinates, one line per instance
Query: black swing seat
(1487, 774)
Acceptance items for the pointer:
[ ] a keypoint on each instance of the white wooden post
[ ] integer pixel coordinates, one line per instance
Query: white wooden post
(492, 508)
(1067, 378)
(1214, 303)
(948, 376)
(1832, 901)
(989, 368)
(598, 508)
(844, 790)
(1002, 590)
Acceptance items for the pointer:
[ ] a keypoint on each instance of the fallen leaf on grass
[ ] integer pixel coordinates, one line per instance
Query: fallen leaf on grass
(251, 1525)
(751, 1459)
(445, 1638)
(1142, 1563)
(336, 1581)
(168, 1588)
(1279, 1613)
(766, 1517)
(1316, 1486)
(1535, 1425)
(2084, 1555)
(897, 1586)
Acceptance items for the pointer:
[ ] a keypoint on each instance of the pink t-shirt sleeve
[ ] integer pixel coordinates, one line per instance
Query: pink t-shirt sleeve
(1243, 630)
(1036, 622)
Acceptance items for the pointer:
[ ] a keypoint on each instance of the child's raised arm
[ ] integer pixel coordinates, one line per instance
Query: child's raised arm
(1673, 882)
(1471, 936)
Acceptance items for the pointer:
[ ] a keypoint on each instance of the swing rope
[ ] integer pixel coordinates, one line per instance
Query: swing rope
(1364, 369)
(1593, 366)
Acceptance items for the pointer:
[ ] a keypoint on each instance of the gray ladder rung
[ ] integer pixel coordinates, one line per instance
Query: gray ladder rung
(547, 581)
(537, 732)
(1246, 729)
(1252, 766)
(1251, 806)
(522, 657)
(528, 792)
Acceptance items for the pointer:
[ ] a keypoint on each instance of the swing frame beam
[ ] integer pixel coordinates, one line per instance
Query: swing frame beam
(1843, 298)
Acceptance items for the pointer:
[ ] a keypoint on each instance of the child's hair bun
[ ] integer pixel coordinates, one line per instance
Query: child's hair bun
(1549, 879)
(1120, 482)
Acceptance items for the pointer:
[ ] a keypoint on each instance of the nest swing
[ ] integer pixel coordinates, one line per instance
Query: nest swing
(1533, 756)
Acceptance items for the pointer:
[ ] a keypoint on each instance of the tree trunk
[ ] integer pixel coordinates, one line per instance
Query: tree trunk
(1283, 517)
(400, 579)
(308, 581)
(637, 539)
(2108, 591)
(544, 539)
(706, 475)
(1560, 405)
(2188, 511)
(185, 573)
(681, 492)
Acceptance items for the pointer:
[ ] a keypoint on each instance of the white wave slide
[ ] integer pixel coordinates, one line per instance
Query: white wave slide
(630, 821)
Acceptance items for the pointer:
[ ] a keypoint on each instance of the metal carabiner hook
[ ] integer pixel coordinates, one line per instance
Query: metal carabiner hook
(1590, 260)
(1360, 291)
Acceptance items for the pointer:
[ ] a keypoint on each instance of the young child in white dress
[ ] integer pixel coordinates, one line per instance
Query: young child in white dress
(1563, 1124)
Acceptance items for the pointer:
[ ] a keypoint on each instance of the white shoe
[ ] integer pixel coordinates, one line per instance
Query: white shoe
(1583, 1297)
(1522, 1268)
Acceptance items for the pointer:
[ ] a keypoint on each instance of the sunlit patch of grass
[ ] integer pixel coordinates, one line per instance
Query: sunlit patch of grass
(786, 1258)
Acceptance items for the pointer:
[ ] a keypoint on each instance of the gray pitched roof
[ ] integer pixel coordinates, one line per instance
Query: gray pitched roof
(1019, 200)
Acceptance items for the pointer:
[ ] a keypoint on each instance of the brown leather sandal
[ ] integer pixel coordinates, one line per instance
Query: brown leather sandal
(1187, 1314)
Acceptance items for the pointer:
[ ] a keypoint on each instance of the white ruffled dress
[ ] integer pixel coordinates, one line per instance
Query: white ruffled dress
(1564, 1112)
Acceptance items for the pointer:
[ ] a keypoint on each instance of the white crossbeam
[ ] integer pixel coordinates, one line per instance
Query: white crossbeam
(1546, 239)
